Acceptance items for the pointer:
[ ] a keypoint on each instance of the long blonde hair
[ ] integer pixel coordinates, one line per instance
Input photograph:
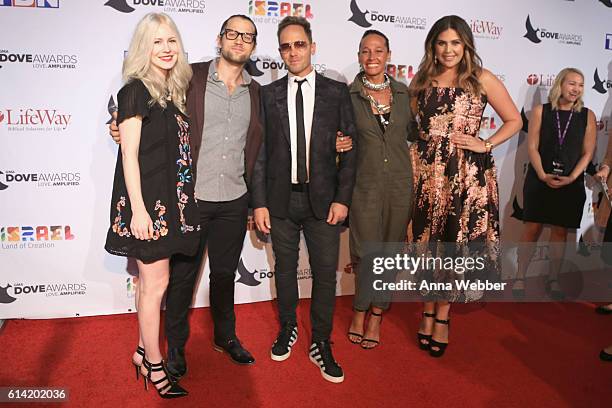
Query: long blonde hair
(555, 91)
(137, 64)
(469, 68)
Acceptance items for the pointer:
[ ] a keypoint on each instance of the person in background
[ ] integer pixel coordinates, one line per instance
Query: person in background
(560, 142)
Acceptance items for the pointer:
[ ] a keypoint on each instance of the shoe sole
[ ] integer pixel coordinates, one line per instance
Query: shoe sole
(335, 380)
(284, 356)
(220, 350)
(280, 358)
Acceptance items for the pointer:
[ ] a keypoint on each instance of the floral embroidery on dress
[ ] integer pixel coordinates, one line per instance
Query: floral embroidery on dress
(184, 174)
(160, 226)
(119, 226)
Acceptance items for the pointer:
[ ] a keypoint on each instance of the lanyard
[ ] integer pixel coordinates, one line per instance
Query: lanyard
(561, 136)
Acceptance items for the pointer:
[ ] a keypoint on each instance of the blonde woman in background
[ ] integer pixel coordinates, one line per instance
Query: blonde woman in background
(153, 209)
(560, 141)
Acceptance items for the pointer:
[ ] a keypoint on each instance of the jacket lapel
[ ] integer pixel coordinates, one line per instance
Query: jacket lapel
(200, 90)
(281, 105)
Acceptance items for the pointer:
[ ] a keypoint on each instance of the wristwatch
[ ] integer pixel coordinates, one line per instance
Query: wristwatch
(488, 146)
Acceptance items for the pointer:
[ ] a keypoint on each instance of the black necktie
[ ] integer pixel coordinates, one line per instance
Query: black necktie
(302, 175)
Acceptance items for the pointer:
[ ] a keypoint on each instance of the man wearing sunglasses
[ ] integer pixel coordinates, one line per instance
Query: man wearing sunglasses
(299, 185)
(223, 105)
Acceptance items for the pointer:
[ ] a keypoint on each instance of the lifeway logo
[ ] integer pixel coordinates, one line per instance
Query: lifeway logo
(41, 179)
(541, 80)
(39, 61)
(47, 290)
(362, 19)
(601, 85)
(535, 35)
(30, 3)
(29, 119)
(273, 11)
(34, 237)
(168, 6)
(486, 29)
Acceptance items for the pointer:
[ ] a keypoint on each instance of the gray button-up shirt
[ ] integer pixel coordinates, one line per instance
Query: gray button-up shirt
(221, 164)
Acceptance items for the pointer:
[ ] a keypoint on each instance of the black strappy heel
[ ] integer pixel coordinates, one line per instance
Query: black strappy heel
(169, 389)
(141, 352)
(360, 335)
(376, 342)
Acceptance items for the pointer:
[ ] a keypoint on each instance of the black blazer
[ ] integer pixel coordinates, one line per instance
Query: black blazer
(330, 180)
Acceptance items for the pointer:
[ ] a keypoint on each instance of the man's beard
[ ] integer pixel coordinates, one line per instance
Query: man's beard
(231, 57)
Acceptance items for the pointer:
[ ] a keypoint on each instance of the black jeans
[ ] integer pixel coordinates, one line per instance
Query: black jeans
(223, 230)
(322, 241)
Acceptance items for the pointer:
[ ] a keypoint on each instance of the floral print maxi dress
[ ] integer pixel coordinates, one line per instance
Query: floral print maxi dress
(456, 208)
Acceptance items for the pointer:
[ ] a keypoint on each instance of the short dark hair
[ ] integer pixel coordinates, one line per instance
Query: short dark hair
(242, 16)
(375, 32)
(299, 21)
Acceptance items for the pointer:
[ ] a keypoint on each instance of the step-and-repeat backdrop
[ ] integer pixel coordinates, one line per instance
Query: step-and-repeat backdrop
(60, 69)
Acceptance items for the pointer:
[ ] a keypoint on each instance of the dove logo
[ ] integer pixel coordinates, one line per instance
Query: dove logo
(30, 3)
(254, 278)
(607, 3)
(120, 5)
(2, 185)
(252, 69)
(245, 276)
(531, 34)
(601, 85)
(359, 17)
(536, 35)
(4, 296)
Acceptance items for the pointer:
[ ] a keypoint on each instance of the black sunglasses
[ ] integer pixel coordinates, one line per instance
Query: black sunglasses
(233, 34)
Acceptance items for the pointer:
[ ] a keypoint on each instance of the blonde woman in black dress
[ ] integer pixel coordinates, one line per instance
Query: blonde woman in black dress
(561, 140)
(153, 209)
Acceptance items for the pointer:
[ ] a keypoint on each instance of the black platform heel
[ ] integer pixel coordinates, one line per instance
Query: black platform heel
(169, 389)
(441, 346)
(426, 337)
(141, 352)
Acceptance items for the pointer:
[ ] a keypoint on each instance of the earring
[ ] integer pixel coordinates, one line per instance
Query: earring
(435, 60)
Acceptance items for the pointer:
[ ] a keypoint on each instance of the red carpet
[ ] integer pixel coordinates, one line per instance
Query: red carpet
(501, 355)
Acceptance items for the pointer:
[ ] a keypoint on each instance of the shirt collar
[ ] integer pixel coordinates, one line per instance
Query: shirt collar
(214, 76)
(310, 78)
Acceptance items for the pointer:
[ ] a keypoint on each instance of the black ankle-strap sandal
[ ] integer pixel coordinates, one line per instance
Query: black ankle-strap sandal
(441, 347)
(424, 339)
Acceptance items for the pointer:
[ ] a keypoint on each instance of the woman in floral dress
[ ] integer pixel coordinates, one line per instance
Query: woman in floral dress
(154, 214)
(455, 181)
